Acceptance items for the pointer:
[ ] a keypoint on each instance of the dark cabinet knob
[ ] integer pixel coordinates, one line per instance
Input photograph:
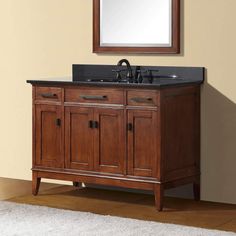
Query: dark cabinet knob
(130, 127)
(96, 125)
(58, 122)
(93, 124)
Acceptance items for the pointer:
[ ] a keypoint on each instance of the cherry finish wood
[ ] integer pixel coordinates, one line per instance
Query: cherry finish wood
(49, 94)
(143, 155)
(159, 194)
(48, 135)
(99, 148)
(143, 98)
(104, 96)
(175, 48)
(35, 183)
(180, 137)
(109, 140)
(120, 141)
(78, 138)
(197, 189)
(95, 179)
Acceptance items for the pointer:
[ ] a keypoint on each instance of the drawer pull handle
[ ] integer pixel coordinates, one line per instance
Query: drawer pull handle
(93, 97)
(141, 100)
(48, 95)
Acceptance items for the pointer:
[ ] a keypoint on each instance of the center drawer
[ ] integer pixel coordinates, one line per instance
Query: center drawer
(86, 95)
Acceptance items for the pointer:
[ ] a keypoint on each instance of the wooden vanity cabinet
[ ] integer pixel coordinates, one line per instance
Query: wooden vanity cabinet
(48, 131)
(78, 138)
(94, 139)
(136, 138)
(109, 141)
(143, 143)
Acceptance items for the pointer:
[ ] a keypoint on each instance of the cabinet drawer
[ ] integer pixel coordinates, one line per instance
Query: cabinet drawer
(48, 94)
(143, 98)
(106, 96)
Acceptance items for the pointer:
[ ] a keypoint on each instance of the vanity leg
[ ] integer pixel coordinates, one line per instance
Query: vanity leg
(35, 183)
(196, 189)
(77, 184)
(159, 194)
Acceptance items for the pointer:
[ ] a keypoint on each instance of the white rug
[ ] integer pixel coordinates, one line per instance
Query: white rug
(28, 220)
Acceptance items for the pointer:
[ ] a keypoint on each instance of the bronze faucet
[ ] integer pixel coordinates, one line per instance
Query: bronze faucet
(129, 75)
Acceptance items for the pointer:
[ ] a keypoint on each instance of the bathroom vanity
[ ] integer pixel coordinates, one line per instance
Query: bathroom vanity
(140, 134)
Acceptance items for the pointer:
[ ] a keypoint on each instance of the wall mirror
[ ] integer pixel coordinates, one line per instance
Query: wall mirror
(136, 26)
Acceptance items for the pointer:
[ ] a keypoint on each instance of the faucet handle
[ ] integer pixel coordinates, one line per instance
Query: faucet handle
(118, 75)
(138, 75)
(129, 75)
(150, 74)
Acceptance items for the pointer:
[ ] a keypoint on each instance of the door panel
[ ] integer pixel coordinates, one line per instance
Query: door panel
(142, 143)
(48, 133)
(79, 138)
(109, 149)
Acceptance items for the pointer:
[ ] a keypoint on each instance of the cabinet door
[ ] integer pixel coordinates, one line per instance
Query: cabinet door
(79, 138)
(48, 136)
(109, 140)
(143, 145)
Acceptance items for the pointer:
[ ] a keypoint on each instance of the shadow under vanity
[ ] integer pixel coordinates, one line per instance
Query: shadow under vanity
(128, 126)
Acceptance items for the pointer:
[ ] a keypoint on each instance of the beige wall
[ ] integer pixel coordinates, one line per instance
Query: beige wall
(43, 38)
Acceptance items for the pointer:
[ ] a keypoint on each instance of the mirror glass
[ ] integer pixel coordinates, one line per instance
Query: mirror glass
(136, 26)
(136, 23)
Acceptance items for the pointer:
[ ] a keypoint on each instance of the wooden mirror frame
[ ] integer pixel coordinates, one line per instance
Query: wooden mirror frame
(174, 49)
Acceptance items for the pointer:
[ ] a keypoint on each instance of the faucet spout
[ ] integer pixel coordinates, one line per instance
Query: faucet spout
(129, 69)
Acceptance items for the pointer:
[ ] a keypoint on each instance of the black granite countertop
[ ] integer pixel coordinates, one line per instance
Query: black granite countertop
(105, 76)
(157, 84)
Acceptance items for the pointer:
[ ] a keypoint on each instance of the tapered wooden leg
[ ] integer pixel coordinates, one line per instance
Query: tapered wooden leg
(77, 184)
(196, 189)
(159, 194)
(35, 183)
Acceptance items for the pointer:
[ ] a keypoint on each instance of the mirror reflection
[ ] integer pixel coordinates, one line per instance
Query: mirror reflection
(136, 26)
(136, 23)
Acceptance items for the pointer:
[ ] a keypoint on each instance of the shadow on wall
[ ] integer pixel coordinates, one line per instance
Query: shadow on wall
(218, 146)
(218, 149)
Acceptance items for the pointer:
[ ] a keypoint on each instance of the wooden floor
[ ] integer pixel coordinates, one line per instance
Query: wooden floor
(123, 204)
